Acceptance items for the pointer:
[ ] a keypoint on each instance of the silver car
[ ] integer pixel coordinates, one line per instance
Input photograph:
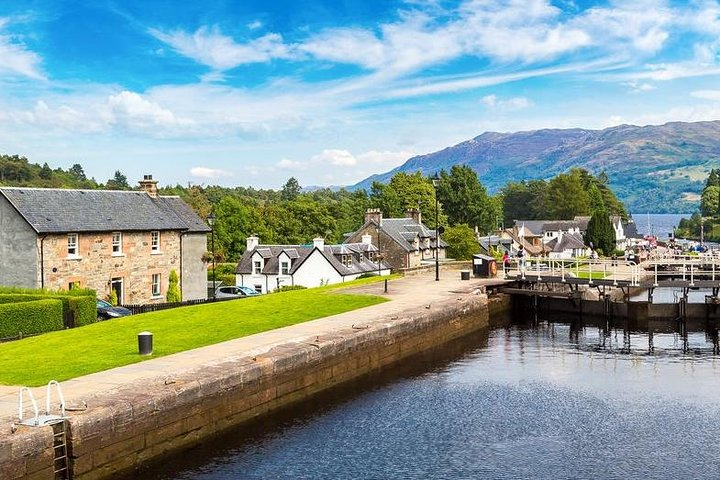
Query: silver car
(234, 291)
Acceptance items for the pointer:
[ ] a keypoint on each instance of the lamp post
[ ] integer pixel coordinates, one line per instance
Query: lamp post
(436, 184)
(211, 222)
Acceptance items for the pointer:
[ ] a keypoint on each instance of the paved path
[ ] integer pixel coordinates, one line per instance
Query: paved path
(405, 293)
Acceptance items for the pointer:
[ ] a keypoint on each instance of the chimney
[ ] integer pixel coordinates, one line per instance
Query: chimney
(252, 242)
(319, 243)
(413, 213)
(373, 214)
(367, 239)
(147, 184)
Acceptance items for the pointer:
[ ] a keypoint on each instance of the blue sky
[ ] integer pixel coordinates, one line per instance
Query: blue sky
(253, 92)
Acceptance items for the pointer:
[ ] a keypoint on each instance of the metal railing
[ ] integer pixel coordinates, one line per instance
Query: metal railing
(652, 270)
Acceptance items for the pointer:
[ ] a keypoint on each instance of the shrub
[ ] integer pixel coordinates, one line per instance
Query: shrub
(287, 288)
(173, 293)
(113, 298)
(79, 310)
(368, 275)
(31, 317)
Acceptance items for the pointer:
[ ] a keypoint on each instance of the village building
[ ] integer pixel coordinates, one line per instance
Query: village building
(404, 243)
(126, 241)
(268, 267)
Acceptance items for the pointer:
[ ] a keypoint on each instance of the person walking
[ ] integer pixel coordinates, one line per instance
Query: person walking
(521, 258)
(506, 264)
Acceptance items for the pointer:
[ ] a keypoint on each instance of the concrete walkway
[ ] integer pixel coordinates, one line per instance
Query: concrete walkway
(405, 293)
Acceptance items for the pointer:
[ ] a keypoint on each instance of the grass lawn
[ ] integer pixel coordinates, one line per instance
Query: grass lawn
(72, 353)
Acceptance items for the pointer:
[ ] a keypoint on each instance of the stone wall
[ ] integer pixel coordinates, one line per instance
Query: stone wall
(95, 264)
(19, 257)
(124, 429)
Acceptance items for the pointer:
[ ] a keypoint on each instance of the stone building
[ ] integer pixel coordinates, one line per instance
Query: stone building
(127, 241)
(403, 242)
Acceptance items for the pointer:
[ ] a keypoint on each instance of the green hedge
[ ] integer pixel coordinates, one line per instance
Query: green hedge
(79, 310)
(30, 317)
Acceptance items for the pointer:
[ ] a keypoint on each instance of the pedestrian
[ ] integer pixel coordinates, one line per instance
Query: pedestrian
(506, 263)
(521, 258)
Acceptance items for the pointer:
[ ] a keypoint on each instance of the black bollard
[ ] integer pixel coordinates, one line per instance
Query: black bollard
(145, 343)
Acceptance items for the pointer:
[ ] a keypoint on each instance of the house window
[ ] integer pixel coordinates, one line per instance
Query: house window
(284, 268)
(258, 288)
(155, 241)
(72, 244)
(117, 243)
(347, 260)
(156, 285)
(257, 267)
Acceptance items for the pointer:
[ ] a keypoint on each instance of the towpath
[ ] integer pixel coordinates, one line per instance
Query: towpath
(404, 294)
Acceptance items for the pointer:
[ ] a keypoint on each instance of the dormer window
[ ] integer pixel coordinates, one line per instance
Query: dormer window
(285, 267)
(347, 260)
(257, 267)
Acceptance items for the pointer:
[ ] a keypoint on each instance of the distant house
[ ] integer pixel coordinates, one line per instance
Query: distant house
(523, 236)
(268, 267)
(403, 242)
(126, 241)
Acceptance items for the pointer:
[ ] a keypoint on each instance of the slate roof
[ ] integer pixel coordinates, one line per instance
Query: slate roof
(50, 210)
(569, 242)
(404, 231)
(299, 253)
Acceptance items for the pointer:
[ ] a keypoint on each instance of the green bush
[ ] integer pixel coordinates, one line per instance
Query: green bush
(84, 310)
(80, 310)
(30, 317)
(226, 279)
(173, 292)
(287, 288)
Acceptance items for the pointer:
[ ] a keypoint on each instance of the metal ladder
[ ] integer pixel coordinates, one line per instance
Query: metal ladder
(56, 422)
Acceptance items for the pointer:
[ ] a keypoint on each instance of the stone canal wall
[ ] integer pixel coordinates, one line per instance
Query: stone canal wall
(123, 429)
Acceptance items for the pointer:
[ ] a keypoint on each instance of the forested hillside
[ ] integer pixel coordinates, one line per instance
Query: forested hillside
(291, 216)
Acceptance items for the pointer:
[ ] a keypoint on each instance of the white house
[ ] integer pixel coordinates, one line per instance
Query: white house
(268, 267)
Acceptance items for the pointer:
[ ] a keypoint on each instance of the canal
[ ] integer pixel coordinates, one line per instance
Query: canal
(533, 400)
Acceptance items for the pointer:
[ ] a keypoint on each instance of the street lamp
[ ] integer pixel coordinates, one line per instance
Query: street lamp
(436, 184)
(211, 222)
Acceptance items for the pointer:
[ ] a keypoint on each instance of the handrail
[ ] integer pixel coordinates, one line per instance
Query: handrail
(60, 395)
(32, 400)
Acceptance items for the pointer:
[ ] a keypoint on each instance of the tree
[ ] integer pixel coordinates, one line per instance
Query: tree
(465, 200)
(173, 293)
(118, 182)
(461, 242)
(600, 233)
(290, 190)
(566, 197)
(77, 172)
(709, 201)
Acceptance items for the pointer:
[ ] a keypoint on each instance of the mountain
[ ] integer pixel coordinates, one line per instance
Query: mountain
(659, 169)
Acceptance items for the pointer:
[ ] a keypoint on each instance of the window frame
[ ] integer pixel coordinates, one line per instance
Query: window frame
(155, 241)
(155, 281)
(117, 243)
(285, 267)
(73, 247)
(257, 267)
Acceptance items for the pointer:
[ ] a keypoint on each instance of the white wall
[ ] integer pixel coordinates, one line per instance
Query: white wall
(315, 269)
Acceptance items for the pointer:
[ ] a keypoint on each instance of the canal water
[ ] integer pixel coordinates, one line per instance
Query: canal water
(537, 401)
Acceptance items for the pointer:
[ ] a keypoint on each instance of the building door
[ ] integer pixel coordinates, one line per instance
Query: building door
(117, 285)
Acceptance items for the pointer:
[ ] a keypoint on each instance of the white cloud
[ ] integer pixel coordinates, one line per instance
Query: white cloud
(385, 159)
(288, 164)
(16, 59)
(254, 25)
(335, 157)
(636, 87)
(713, 95)
(206, 172)
(131, 109)
(210, 47)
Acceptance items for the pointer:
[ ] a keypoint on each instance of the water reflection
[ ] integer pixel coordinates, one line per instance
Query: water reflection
(545, 400)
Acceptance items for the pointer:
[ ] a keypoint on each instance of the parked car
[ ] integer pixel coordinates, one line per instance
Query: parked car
(235, 292)
(106, 310)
